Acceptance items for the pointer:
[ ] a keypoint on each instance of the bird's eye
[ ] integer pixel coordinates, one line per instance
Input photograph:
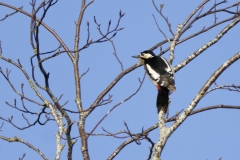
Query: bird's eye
(142, 54)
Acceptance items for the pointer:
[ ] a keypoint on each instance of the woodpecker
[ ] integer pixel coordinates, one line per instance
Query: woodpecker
(161, 74)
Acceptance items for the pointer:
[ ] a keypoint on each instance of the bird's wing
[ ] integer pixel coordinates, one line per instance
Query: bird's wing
(162, 72)
(169, 75)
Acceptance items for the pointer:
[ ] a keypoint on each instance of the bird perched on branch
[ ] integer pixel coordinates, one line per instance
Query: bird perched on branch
(161, 74)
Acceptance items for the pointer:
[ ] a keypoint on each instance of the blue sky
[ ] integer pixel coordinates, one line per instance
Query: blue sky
(205, 136)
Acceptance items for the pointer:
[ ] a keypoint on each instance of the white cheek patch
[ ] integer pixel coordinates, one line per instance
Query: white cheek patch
(154, 75)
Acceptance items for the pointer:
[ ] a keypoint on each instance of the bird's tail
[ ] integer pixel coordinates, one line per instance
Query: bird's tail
(162, 99)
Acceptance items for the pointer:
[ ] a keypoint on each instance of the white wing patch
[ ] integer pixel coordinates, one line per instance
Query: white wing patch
(154, 75)
(169, 68)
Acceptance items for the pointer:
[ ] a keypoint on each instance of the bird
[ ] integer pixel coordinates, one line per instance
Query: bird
(161, 73)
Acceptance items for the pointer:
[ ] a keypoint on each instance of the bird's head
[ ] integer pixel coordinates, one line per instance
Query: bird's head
(145, 55)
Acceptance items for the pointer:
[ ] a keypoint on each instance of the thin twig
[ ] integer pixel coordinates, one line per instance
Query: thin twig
(215, 13)
(159, 27)
(1, 126)
(8, 15)
(165, 18)
(84, 73)
(140, 85)
(232, 87)
(150, 148)
(21, 158)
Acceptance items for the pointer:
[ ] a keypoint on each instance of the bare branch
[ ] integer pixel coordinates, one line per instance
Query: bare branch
(54, 112)
(159, 27)
(16, 139)
(207, 45)
(105, 101)
(0, 48)
(21, 158)
(114, 134)
(150, 148)
(104, 36)
(84, 73)
(52, 56)
(232, 87)
(115, 54)
(194, 12)
(214, 107)
(44, 25)
(165, 18)
(111, 33)
(198, 97)
(57, 107)
(123, 73)
(215, 13)
(78, 99)
(13, 88)
(25, 74)
(137, 141)
(70, 111)
(9, 120)
(57, 50)
(202, 31)
(164, 132)
(174, 118)
(198, 17)
(217, 4)
(1, 126)
(141, 82)
(179, 29)
(8, 15)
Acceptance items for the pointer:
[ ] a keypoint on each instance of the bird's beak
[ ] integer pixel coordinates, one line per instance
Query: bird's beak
(136, 56)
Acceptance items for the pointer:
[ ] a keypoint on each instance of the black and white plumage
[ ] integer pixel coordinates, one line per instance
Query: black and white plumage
(161, 74)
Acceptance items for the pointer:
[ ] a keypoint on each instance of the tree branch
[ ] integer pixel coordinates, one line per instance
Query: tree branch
(78, 99)
(179, 120)
(173, 118)
(141, 82)
(44, 25)
(178, 32)
(206, 46)
(16, 139)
